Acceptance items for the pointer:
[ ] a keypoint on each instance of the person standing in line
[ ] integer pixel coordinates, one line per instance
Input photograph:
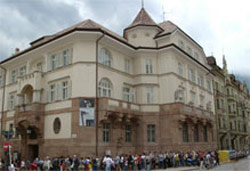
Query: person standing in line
(108, 163)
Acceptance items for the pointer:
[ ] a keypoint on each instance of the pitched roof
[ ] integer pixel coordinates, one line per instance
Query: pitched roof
(168, 28)
(86, 24)
(142, 18)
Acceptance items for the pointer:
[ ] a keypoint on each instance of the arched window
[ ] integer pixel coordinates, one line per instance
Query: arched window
(105, 88)
(104, 57)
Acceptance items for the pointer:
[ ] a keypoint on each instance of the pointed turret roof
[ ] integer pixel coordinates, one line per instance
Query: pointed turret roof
(142, 18)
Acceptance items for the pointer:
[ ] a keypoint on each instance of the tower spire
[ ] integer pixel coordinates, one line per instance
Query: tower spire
(142, 3)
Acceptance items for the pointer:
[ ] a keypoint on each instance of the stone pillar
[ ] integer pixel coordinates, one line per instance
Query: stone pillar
(20, 99)
(36, 96)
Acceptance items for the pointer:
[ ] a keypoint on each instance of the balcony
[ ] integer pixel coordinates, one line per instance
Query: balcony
(219, 93)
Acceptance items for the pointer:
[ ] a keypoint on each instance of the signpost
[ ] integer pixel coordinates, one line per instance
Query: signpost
(7, 146)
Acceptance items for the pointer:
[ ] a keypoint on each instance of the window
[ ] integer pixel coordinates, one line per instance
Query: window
(53, 62)
(13, 77)
(196, 133)
(205, 133)
(150, 95)
(66, 57)
(65, 90)
(202, 101)
(181, 45)
(185, 132)
(209, 85)
(189, 51)
(191, 75)
(106, 132)
(180, 69)
(104, 57)
(52, 93)
(151, 133)
(193, 97)
(11, 101)
(149, 66)
(105, 88)
(57, 125)
(127, 65)
(224, 123)
(39, 66)
(22, 71)
(200, 80)
(128, 133)
(128, 94)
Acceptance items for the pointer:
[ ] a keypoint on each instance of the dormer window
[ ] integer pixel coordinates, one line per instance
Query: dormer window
(105, 57)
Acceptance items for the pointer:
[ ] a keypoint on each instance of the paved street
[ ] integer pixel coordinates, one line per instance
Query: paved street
(241, 165)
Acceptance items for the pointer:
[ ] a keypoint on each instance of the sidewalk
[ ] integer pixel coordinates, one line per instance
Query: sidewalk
(181, 168)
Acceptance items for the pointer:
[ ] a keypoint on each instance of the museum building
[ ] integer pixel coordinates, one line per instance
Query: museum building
(89, 91)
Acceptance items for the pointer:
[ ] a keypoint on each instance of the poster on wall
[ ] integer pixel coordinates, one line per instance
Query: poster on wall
(87, 112)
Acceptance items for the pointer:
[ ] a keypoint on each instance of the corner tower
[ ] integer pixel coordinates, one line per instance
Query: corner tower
(142, 30)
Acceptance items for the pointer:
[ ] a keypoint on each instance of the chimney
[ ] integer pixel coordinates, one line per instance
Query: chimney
(17, 50)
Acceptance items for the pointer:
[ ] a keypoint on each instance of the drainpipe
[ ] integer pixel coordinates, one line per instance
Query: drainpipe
(3, 99)
(96, 94)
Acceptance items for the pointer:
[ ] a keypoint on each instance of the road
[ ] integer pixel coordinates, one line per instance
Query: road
(241, 165)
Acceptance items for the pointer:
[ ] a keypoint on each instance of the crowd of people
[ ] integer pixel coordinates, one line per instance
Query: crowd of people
(145, 161)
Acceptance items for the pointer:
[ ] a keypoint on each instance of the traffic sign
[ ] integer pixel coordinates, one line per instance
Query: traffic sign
(6, 145)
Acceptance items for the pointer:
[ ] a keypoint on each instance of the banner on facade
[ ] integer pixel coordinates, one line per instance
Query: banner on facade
(87, 112)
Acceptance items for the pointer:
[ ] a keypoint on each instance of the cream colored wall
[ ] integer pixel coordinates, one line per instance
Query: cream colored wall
(141, 38)
(66, 126)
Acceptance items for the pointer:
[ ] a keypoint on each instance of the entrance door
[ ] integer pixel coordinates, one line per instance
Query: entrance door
(33, 151)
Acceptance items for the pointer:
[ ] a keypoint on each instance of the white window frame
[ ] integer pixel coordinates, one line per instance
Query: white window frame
(22, 71)
(200, 80)
(53, 61)
(192, 97)
(128, 94)
(65, 90)
(11, 101)
(180, 69)
(13, 76)
(66, 57)
(150, 95)
(191, 75)
(105, 57)
(127, 65)
(151, 133)
(202, 101)
(106, 132)
(105, 88)
(149, 66)
(209, 86)
(52, 93)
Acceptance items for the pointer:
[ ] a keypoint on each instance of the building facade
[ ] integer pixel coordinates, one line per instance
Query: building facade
(89, 91)
(231, 108)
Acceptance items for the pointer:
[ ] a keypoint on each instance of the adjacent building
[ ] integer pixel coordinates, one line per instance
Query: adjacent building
(89, 91)
(231, 108)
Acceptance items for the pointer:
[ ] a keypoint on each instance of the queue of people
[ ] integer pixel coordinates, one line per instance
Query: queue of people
(145, 161)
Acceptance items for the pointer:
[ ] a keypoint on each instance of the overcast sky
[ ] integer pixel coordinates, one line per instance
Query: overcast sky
(219, 26)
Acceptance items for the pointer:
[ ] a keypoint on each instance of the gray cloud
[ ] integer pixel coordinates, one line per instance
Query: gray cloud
(214, 27)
